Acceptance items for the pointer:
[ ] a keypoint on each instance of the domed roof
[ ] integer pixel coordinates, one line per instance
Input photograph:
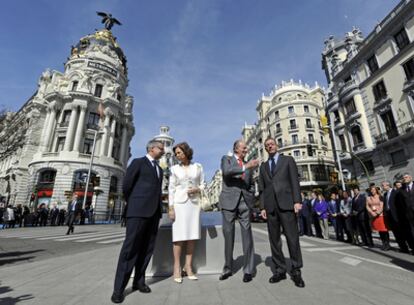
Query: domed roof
(102, 38)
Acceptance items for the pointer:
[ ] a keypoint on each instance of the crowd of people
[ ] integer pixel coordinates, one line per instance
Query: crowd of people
(21, 216)
(354, 215)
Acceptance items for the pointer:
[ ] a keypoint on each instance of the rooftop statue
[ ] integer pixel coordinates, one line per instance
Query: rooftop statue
(108, 20)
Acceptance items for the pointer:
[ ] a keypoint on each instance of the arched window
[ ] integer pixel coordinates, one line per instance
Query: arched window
(356, 135)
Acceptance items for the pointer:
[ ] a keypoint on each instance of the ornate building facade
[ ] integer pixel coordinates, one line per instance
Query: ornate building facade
(214, 188)
(291, 114)
(370, 97)
(85, 107)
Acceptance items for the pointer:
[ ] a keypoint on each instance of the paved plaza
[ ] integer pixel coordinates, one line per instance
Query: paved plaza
(45, 266)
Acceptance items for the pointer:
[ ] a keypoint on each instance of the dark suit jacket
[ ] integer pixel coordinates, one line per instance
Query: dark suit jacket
(390, 207)
(142, 188)
(282, 188)
(359, 206)
(306, 210)
(408, 198)
(234, 184)
(78, 207)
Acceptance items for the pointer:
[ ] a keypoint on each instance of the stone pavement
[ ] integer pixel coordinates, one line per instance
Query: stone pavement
(335, 273)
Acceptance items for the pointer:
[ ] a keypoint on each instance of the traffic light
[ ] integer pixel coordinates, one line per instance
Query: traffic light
(309, 148)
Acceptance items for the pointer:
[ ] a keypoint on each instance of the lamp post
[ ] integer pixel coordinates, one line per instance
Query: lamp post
(90, 169)
(341, 175)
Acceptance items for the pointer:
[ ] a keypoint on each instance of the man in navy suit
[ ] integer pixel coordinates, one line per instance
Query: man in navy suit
(74, 209)
(142, 192)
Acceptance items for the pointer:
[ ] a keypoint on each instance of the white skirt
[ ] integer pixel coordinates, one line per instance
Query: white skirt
(187, 221)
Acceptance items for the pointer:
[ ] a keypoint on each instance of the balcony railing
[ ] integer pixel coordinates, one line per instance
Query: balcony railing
(348, 86)
(278, 130)
(393, 133)
(358, 146)
(310, 126)
(92, 126)
(293, 127)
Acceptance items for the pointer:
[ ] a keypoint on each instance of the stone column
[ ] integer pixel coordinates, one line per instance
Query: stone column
(105, 135)
(80, 128)
(123, 145)
(111, 138)
(42, 145)
(50, 127)
(71, 128)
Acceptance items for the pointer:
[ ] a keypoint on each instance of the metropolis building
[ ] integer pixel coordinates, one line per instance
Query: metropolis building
(51, 138)
(370, 97)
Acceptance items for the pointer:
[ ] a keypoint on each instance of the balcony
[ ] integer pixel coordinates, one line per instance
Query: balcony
(347, 87)
(92, 126)
(278, 130)
(358, 146)
(64, 124)
(401, 130)
(293, 127)
(310, 126)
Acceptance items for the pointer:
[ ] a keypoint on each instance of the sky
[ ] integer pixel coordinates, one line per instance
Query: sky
(196, 66)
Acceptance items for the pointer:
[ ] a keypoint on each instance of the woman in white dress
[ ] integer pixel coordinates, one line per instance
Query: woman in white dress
(186, 183)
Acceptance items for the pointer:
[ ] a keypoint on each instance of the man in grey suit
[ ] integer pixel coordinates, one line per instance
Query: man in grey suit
(280, 202)
(236, 200)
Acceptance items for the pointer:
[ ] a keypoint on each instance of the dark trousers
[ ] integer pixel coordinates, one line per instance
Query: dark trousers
(288, 221)
(364, 230)
(242, 214)
(136, 250)
(71, 220)
(318, 229)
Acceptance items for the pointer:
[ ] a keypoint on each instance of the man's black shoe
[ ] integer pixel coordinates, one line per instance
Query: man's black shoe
(297, 279)
(247, 277)
(142, 288)
(117, 297)
(277, 277)
(224, 276)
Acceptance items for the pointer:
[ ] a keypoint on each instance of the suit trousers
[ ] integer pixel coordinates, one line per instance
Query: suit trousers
(287, 220)
(136, 250)
(242, 214)
(71, 219)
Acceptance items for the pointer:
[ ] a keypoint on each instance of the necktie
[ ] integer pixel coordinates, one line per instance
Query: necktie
(241, 165)
(154, 163)
(272, 165)
(408, 188)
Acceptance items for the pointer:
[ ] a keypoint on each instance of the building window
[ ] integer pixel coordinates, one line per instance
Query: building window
(291, 109)
(118, 96)
(308, 123)
(389, 123)
(292, 124)
(278, 129)
(350, 107)
(296, 153)
(60, 144)
(401, 39)
(379, 90)
(369, 166)
(356, 135)
(295, 139)
(304, 173)
(372, 63)
(409, 69)
(319, 172)
(306, 108)
(87, 146)
(276, 115)
(98, 90)
(66, 118)
(311, 138)
(113, 186)
(337, 118)
(279, 143)
(75, 85)
(398, 157)
(93, 120)
(115, 151)
(342, 141)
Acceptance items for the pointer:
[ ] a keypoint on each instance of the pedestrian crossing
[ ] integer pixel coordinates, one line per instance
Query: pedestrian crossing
(82, 235)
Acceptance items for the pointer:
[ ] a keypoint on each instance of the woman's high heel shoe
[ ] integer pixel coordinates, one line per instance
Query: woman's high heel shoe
(192, 277)
(178, 280)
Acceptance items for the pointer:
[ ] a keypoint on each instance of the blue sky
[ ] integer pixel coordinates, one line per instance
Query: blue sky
(197, 66)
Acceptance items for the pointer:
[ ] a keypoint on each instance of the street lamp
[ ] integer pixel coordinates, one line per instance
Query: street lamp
(90, 168)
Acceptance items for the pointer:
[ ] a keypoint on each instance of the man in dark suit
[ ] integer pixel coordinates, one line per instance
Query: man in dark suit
(142, 192)
(305, 216)
(236, 201)
(395, 218)
(407, 194)
(359, 209)
(74, 209)
(280, 201)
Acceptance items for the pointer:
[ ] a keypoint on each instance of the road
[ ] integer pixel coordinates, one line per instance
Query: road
(45, 266)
